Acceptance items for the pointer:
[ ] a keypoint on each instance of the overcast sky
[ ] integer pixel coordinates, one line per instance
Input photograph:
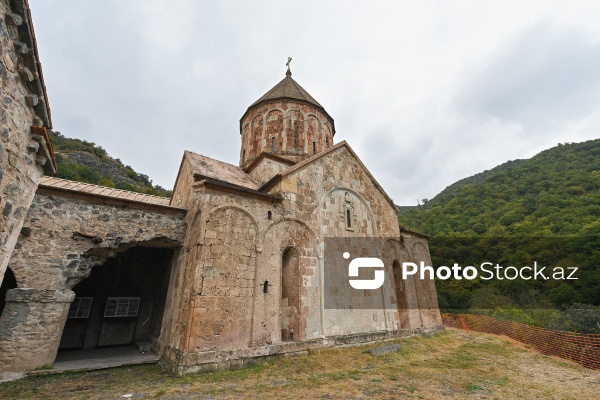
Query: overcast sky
(425, 92)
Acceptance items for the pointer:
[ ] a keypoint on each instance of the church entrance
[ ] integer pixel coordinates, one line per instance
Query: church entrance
(290, 295)
(120, 304)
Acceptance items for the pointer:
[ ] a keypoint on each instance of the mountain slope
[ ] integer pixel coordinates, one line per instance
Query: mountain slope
(83, 161)
(544, 210)
(556, 192)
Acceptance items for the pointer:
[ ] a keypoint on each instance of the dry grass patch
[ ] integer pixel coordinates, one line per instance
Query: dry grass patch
(451, 364)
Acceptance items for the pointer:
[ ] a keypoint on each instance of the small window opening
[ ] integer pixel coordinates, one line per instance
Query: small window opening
(348, 218)
(314, 148)
(273, 144)
(244, 156)
(266, 287)
(269, 215)
(327, 141)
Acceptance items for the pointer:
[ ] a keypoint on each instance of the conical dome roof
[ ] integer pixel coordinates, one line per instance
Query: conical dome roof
(289, 89)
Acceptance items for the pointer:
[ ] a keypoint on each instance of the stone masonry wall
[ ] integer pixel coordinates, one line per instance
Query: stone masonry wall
(315, 194)
(65, 237)
(231, 251)
(229, 280)
(29, 328)
(62, 240)
(20, 165)
(294, 126)
(266, 169)
(183, 186)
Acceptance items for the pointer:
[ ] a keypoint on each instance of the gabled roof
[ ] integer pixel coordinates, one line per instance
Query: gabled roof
(206, 167)
(308, 161)
(264, 155)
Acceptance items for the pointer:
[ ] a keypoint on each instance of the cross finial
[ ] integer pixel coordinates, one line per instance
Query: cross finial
(288, 64)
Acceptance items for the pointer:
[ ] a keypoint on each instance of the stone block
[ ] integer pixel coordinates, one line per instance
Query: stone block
(383, 350)
(13, 19)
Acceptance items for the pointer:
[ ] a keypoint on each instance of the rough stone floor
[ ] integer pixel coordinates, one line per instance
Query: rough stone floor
(102, 358)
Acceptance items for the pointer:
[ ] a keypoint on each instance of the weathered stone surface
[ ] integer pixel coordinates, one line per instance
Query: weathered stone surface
(383, 350)
(69, 236)
(266, 168)
(31, 320)
(21, 48)
(26, 74)
(13, 19)
(27, 295)
(17, 118)
(19, 175)
(295, 127)
(32, 100)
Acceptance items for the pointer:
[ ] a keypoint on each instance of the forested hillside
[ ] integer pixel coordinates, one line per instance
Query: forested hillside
(84, 161)
(544, 209)
(557, 192)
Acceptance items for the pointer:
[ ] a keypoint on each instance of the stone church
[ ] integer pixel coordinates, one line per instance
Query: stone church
(228, 271)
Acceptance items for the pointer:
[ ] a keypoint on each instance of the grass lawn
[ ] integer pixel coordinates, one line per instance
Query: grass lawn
(452, 364)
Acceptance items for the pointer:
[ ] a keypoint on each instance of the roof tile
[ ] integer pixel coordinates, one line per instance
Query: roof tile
(289, 89)
(64, 184)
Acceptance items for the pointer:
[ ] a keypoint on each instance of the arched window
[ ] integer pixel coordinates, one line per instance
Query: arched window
(290, 295)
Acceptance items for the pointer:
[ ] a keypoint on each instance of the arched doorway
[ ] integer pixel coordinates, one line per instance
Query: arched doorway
(8, 282)
(121, 303)
(290, 295)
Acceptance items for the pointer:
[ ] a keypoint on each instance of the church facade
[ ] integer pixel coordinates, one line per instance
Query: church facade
(230, 270)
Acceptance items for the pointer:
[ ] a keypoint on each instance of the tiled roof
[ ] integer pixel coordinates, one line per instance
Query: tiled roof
(207, 167)
(87, 188)
(288, 89)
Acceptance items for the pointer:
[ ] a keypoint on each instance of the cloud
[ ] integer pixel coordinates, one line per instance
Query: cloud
(426, 93)
(544, 76)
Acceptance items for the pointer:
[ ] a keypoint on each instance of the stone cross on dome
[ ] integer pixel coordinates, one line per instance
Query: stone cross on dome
(288, 64)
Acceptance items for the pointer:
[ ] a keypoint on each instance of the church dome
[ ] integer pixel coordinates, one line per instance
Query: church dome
(286, 122)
